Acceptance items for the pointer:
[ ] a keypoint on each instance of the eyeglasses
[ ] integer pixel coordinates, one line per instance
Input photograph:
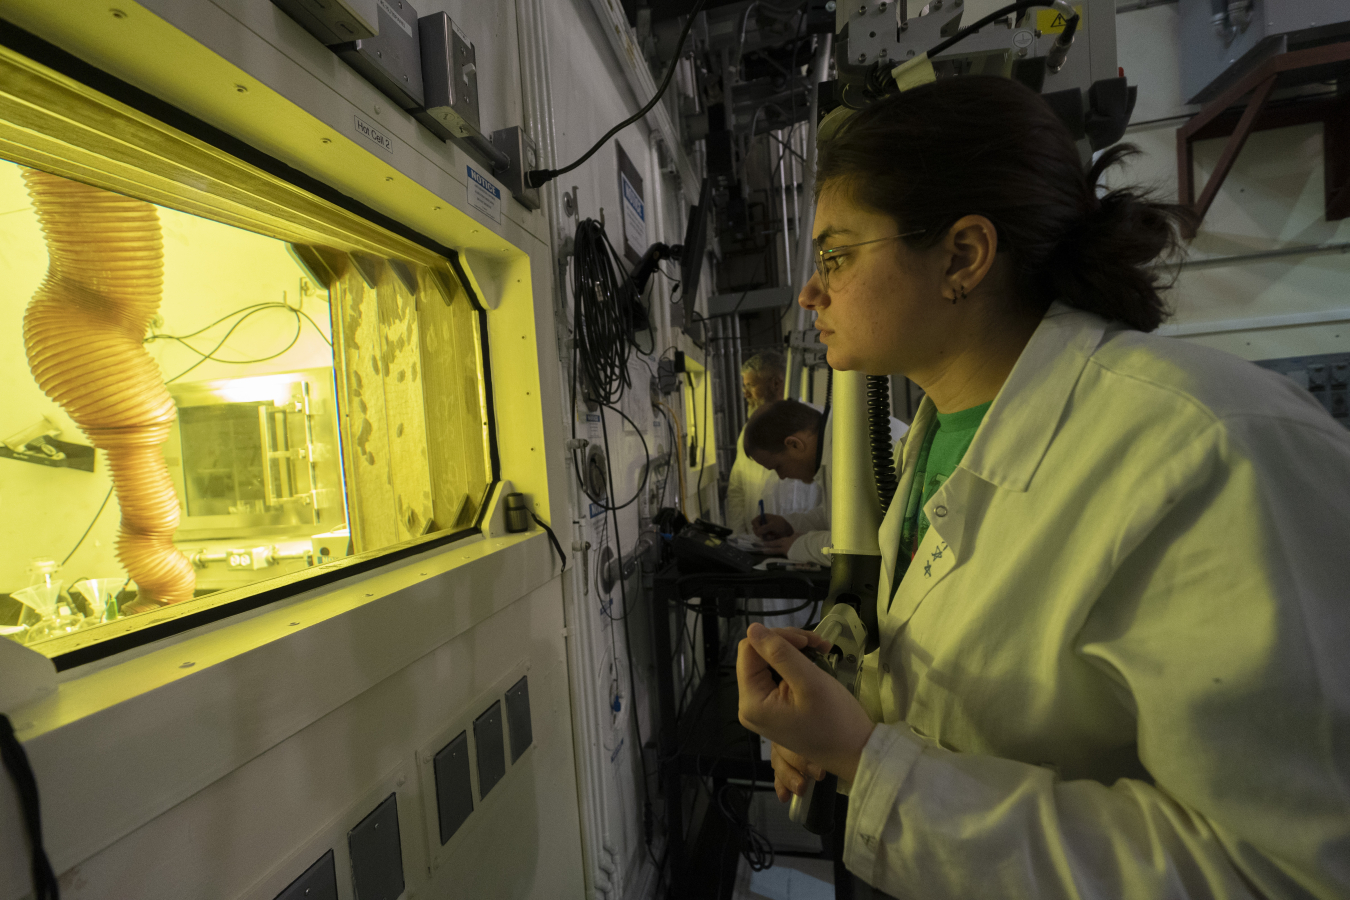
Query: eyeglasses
(824, 256)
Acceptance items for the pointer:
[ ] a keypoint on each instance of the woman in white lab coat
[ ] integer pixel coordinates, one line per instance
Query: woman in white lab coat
(1114, 619)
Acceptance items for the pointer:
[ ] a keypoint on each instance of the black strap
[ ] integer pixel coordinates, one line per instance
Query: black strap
(16, 763)
(553, 539)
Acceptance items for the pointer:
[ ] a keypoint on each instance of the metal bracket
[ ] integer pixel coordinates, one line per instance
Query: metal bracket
(48, 451)
(1259, 83)
(521, 157)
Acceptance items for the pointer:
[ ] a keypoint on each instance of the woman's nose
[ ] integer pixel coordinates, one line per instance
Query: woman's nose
(813, 295)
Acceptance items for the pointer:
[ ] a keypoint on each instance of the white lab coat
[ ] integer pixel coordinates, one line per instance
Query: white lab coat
(749, 482)
(1119, 665)
(814, 524)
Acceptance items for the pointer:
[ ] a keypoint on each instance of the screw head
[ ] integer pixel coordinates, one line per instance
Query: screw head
(118, 13)
(881, 7)
(862, 57)
(829, 5)
(325, 140)
(241, 88)
(862, 9)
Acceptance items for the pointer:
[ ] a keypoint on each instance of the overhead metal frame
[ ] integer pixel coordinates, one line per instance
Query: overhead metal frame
(1242, 109)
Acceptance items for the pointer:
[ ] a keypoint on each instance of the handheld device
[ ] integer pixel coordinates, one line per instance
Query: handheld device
(842, 627)
(862, 456)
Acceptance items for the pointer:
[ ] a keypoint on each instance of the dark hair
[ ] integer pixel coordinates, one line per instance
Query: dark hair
(983, 145)
(773, 423)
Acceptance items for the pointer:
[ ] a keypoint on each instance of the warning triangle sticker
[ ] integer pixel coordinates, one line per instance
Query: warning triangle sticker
(1059, 21)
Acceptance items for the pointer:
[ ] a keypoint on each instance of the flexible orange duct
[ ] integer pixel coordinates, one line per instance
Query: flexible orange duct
(83, 332)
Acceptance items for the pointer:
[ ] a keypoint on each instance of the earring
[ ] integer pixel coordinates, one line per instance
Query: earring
(961, 292)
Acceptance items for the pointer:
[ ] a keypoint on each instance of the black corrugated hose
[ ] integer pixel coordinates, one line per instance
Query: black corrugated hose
(879, 431)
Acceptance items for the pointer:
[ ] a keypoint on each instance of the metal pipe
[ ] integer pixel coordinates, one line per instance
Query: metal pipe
(787, 237)
(740, 361)
(794, 178)
(820, 67)
(805, 265)
(855, 509)
(656, 231)
(1215, 262)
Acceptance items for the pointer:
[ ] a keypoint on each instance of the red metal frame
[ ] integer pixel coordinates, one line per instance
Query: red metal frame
(1216, 120)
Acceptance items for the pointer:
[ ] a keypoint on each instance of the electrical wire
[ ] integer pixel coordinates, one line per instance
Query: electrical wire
(540, 177)
(247, 312)
(603, 333)
(703, 444)
(92, 523)
(679, 453)
(211, 354)
(628, 640)
(645, 469)
(553, 538)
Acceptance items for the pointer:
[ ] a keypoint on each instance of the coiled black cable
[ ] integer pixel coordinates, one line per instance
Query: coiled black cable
(606, 316)
(879, 432)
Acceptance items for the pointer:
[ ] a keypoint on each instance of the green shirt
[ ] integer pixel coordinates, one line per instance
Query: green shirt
(943, 447)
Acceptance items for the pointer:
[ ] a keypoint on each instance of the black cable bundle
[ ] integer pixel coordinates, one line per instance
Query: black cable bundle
(606, 316)
(879, 433)
(733, 803)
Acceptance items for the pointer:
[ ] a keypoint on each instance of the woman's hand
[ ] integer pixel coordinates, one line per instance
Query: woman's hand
(808, 712)
(770, 527)
(791, 771)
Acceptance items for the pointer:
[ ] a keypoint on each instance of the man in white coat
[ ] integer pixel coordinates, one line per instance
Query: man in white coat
(762, 379)
(794, 441)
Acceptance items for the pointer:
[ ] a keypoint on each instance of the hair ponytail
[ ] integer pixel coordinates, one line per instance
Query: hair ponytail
(990, 146)
(1105, 266)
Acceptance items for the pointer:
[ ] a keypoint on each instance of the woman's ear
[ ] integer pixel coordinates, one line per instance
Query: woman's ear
(972, 243)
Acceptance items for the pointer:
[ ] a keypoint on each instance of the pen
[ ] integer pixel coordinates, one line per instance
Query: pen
(762, 517)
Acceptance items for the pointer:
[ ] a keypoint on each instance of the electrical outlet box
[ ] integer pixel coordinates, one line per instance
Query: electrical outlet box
(491, 750)
(521, 157)
(449, 77)
(454, 786)
(319, 882)
(392, 59)
(518, 717)
(334, 21)
(377, 853)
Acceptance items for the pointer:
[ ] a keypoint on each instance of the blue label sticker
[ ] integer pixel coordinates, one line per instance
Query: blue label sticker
(484, 196)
